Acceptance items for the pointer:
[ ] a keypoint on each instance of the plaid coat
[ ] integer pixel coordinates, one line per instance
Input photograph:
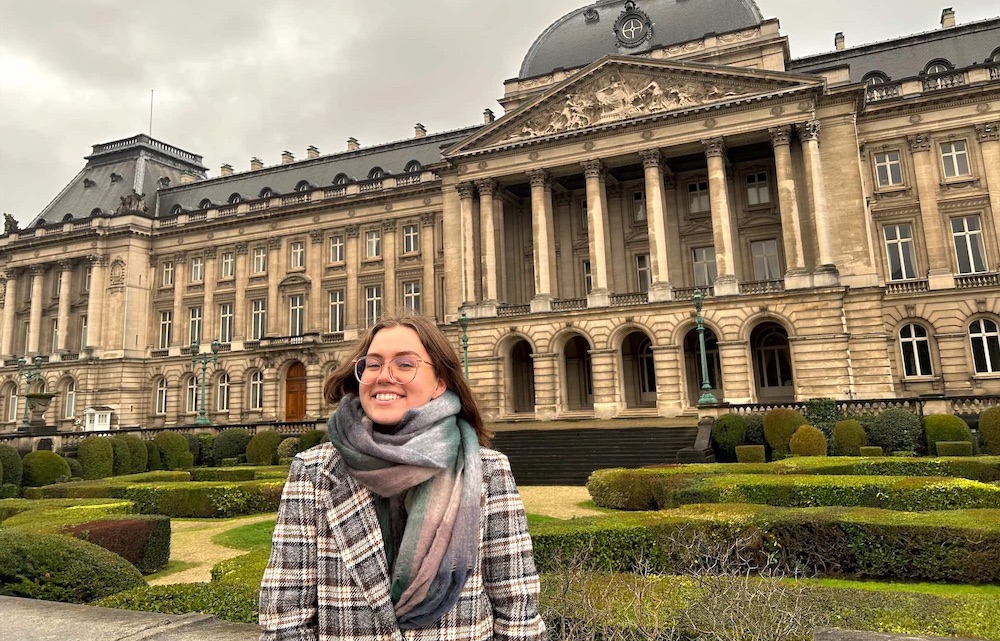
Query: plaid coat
(328, 577)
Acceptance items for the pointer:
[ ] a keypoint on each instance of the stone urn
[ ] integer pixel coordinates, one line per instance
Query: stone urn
(37, 404)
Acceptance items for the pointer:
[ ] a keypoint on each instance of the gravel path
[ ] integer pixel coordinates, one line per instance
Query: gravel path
(558, 501)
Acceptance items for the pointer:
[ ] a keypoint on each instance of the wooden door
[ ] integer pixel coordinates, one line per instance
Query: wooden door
(295, 393)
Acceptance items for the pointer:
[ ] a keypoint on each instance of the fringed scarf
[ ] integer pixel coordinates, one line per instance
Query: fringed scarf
(432, 463)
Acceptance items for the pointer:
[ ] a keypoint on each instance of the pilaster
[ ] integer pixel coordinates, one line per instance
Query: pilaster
(940, 274)
(273, 295)
(597, 227)
(546, 385)
(487, 222)
(427, 255)
(989, 142)
(65, 287)
(466, 192)
(353, 303)
(726, 283)
(9, 303)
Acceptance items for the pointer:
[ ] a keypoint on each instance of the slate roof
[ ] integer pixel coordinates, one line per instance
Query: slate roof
(574, 41)
(963, 45)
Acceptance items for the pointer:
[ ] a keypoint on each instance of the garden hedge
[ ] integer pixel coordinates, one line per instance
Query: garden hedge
(206, 443)
(121, 456)
(43, 468)
(202, 499)
(728, 431)
(9, 490)
(870, 450)
(230, 443)
(75, 469)
(989, 430)
(954, 448)
(96, 455)
(174, 452)
(263, 448)
(12, 468)
(808, 441)
(223, 474)
(141, 539)
(194, 446)
(751, 453)
(754, 430)
(288, 448)
(140, 457)
(153, 460)
(779, 425)
(895, 430)
(945, 427)
(49, 515)
(227, 602)
(850, 437)
(311, 438)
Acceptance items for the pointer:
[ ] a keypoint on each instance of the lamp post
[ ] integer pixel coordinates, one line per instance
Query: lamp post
(707, 398)
(30, 373)
(203, 359)
(463, 320)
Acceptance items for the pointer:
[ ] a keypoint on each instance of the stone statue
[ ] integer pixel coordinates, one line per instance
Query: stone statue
(133, 202)
(10, 224)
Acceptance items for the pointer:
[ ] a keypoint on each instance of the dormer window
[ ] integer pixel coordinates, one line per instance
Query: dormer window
(235, 199)
(376, 173)
(303, 186)
(176, 210)
(413, 167)
(940, 65)
(205, 204)
(995, 56)
(68, 218)
(874, 78)
(97, 212)
(341, 179)
(266, 192)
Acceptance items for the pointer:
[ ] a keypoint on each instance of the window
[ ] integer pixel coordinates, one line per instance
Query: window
(55, 334)
(266, 192)
(235, 199)
(411, 239)
(995, 56)
(161, 397)
(413, 167)
(588, 278)
(303, 186)
(336, 311)
(937, 66)
(373, 244)
(222, 393)
(12, 405)
(257, 391)
(698, 197)
(874, 78)
(87, 278)
(411, 296)
(297, 254)
(197, 269)
(260, 260)
(167, 274)
(341, 179)
(985, 346)
(888, 169)
(704, 266)
(83, 331)
(373, 304)
(336, 249)
(642, 272)
(758, 191)
(166, 325)
(258, 319)
(916, 349)
(955, 158)
(192, 394)
(296, 315)
(194, 334)
(57, 284)
(226, 323)
(765, 259)
(968, 234)
(584, 216)
(377, 173)
(639, 206)
(899, 251)
(227, 266)
(205, 204)
(69, 405)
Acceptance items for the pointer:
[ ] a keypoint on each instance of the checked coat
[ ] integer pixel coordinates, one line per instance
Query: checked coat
(328, 578)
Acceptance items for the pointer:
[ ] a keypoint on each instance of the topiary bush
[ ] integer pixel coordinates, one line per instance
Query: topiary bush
(141, 539)
(140, 457)
(263, 448)
(779, 425)
(288, 448)
(8, 491)
(174, 452)
(121, 456)
(43, 468)
(989, 430)
(227, 602)
(204, 500)
(728, 431)
(754, 429)
(97, 455)
(311, 439)
(54, 567)
(230, 443)
(870, 450)
(896, 430)
(153, 460)
(751, 454)
(75, 469)
(194, 446)
(808, 441)
(945, 427)
(206, 445)
(954, 448)
(850, 437)
(12, 468)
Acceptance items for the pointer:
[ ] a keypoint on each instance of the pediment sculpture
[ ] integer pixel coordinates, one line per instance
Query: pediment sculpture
(132, 202)
(10, 224)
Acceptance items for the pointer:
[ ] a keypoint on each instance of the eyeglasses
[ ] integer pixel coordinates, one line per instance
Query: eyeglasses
(402, 369)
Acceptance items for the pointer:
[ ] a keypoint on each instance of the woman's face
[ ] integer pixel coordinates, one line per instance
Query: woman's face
(385, 401)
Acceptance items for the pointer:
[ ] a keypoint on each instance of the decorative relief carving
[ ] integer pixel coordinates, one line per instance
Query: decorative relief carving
(809, 130)
(919, 142)
(388, 226)
(352, 231)
(988, 131)
(180, 258)
(465, 190)
(3, 290)
(533, 156)
(738, 36)
(316, 236)
(242, 248)
(714, 147)
(65, 264)
(154, 260)
(593, 169)
(118, 272)
(651, 158)
(780, 135)
(10, 224)
(539, 178)
(134, 202)
(274, 243)
(427, 220)
(486, 187)
(777, 111)
(669, 181)
(211, 253)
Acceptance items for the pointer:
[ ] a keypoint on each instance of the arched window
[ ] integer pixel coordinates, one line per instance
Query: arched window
(995, 56)
(205, 204)
(222, 393)
(235, 199)
(303, 185)
(873, 78)
(916, 350)
(176, 209)
(266, 192)
(12, 401)
(257, 390)
(938, 65)
(97, 212)
(377, 173)
(192, 394)
(160, 402)
(67, 218)
(413, 167)
(985, 346)
(341, 179)
(69, 401)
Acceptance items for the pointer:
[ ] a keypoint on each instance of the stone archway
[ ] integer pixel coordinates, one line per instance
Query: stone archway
(638, 371)
(578, 375)
(521, 378)
(692, 366)
(772, 364)
(295, 393)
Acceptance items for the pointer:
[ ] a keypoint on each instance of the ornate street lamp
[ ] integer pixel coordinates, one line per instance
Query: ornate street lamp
(203, 359)
(463, 320)
(707, 398)
(30, 374)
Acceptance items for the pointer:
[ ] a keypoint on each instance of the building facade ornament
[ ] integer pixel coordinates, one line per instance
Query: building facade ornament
(633, 27)
(132, 203)
(180, 258)
(988, 131)
(487, 187)
(809, 130)
(118, 272)
(65, 264)
(919, 142)
(316, 236)
(593, 169)
(427, 220)
(352, 231)
(465, 190)
(388, 226)
(242, 248)
(274, 243)
(780, 136)
(651, 158)
(714, 147)
(539, 178)
(211, 253)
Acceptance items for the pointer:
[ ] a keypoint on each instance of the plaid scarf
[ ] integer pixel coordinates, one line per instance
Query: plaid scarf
(432, 463)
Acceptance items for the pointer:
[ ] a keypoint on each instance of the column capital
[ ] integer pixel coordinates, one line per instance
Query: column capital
(539, 178)
(211, 253)
(669, 180)
(427, 220)
(988, 131)
(780, 136)
(37, 269)
(154, 260)
(465, 190)
(316, 236)
(180, 258)
(98, 260)
(352, 231)
(66, 264)
(715, 147)
(12, 273)
(651, 158)
(274, 243)
(919, 142)
(487, 187)
(809, 130)
(593, 168)
(388, 226)
(242, 248)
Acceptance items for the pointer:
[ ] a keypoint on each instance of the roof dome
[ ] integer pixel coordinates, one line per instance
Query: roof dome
(620, 27)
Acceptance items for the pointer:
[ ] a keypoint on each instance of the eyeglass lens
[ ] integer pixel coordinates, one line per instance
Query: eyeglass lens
(402, 369)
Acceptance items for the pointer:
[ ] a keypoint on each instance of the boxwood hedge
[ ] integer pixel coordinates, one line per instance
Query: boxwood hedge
(96, 455)
(228, 602)
(141, 539)
(42, 468)
(202, 499)
(12, 467)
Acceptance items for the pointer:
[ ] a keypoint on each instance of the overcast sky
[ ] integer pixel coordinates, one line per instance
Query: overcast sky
(241, 78)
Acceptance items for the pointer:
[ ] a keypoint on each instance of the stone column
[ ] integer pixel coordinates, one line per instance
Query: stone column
(989, 143)
(796, 276)
(95, 303)
(9, 303)
(501, 245)
(826, 270)
(466, 191)
(546, 385)
(656, 219)
(35, 316)
(722, 221)
(543, 239)
(352, 300)
(737, 376)
(607, 398)
(240, 306)
(427, 254)
(273, 278)
(316, 303)
(940, 274)
(209, 322)
(669, 380)
(597, 229)
(65, 286)
(487, 225)
(389, 265)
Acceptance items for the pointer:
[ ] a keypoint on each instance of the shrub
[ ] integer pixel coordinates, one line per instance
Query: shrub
(808, 441)
(750, 454)
(728, 431)
(227, 602)
(850, 437)
(141, 539)
(230, 462)
(8, 491)
(153, 460)
(870, 450)
(954, 448)
(945, 427)
(174, 452)
(207, 444)
(754, 429)
(263, 448)
(288, 448)
(140, 457)
(246, 569)
(96, 455)
(779, 425)
(896, 429)
(12, 468)
(311, 439)
(194, 446)
(230, 443)
(121, 455)
(204, 500)
(989, 429)
(43, 467)
(75, 469)
(222, 474)
(54, 567)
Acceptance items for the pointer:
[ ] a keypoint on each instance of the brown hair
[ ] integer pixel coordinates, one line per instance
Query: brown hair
(444, 359)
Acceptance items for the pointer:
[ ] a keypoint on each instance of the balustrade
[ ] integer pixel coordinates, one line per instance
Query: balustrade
(628, 300)
(906, 287)
(762, 287)
(977, 280)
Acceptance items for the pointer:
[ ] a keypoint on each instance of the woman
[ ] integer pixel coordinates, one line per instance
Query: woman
(404, 526)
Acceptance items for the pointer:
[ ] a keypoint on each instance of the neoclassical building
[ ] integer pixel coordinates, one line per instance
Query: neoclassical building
(839, 211)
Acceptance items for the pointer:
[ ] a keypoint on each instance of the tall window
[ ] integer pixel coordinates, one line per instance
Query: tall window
(373, 244)
(226, 323)
(758, 191)
(955, 158)
(83, 331)
(899, 251)
(337, 311)
(166, 274)
(888, 169)
(257, 391)
(584, 216)
(222, 393)
(161, 396)
(373, 304)
(916, 350)
(296, 315)
(194, 336)
(88, 276)
(297, 254)
(765, 259)
(968, 234)
(411, 296)
(197, 269)
(588, 277)
(698, 197)
(69, 405)
(166, 328)
(57, 284)
(260, 260)
(12, 405)
(193, 388)
(704, 266)
(227, 266)
(639, 206)
(258, 319)
(985, 346)
(336, 249)
(411, 239)
(55, 334)
(642, 272)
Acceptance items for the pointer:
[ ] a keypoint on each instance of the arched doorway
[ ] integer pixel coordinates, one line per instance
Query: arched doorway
(295, 393)
(579, 376)
(521, 379)
(638, 371)
(772, 364)
(692, 366)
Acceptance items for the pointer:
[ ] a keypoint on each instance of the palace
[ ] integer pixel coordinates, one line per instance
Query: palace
(840, 213)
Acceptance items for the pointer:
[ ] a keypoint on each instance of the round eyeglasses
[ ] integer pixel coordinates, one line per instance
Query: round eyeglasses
(402, 369)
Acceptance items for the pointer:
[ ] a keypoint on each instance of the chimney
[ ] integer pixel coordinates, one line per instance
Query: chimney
(947, 18)
(419, 131)
(226, 170)
(353, 144)
(287, 158)
(256, 164)
(312, 152)
(187, 179)
(838, 40)
(488, 117)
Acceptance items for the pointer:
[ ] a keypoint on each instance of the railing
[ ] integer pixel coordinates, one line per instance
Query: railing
(973, 404)
(26, 233)
(70, 357)
(335, 337)
(762, 287)
(168, 222)
(687, 293)
(83, 224)
(629, 300)
(876, 93)
(159, 353)
(198, 217)
(295, 199)
(225, 347)
(568, 304)
(411, 179)
(151, 142)
(336, 192)
(995, 72)
(229, 210)
(260, 205)
(944, 81)
(906, 287)
(506, 311)
(977, 280)
(278, 341)
(846, 408)
(370, 187)
(10, 362)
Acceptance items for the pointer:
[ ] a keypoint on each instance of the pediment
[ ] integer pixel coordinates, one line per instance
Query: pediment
(620, 90)
(295, 279)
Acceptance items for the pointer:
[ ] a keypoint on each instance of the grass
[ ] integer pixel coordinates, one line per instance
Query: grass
(251, 537)
(172, 567)
(939, 589)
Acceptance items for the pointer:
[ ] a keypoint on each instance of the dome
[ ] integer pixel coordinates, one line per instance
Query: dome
(620, 27)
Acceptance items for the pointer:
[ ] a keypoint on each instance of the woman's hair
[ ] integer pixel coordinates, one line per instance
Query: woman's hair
(444, 360)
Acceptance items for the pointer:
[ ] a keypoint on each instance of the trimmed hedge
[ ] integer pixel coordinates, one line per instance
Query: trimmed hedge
(754, 429)
(227, 602)
(54, 567)
(870, 450)
(75, 469)
(751, 454)
(896, 430)
(202, 500)
(945, 427)
(12, 467)
(989, 430)
(779, 426)
(96, 455)
(154, 461)
(311, 438)
(288, 448)
(9, 491)
(43, 468)
(142, 539)
(223, 474)
(194, 446)
(728, 431)
(121, 456)
(140, 457)
(246, 570)
(808, 441)
(48, 515)
(850, 437)
(174, 452)
(954, 448)
(231, 443)
(263, 448)
(206, 444)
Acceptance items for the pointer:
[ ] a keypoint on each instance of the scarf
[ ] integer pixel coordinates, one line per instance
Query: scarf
(432, 463)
